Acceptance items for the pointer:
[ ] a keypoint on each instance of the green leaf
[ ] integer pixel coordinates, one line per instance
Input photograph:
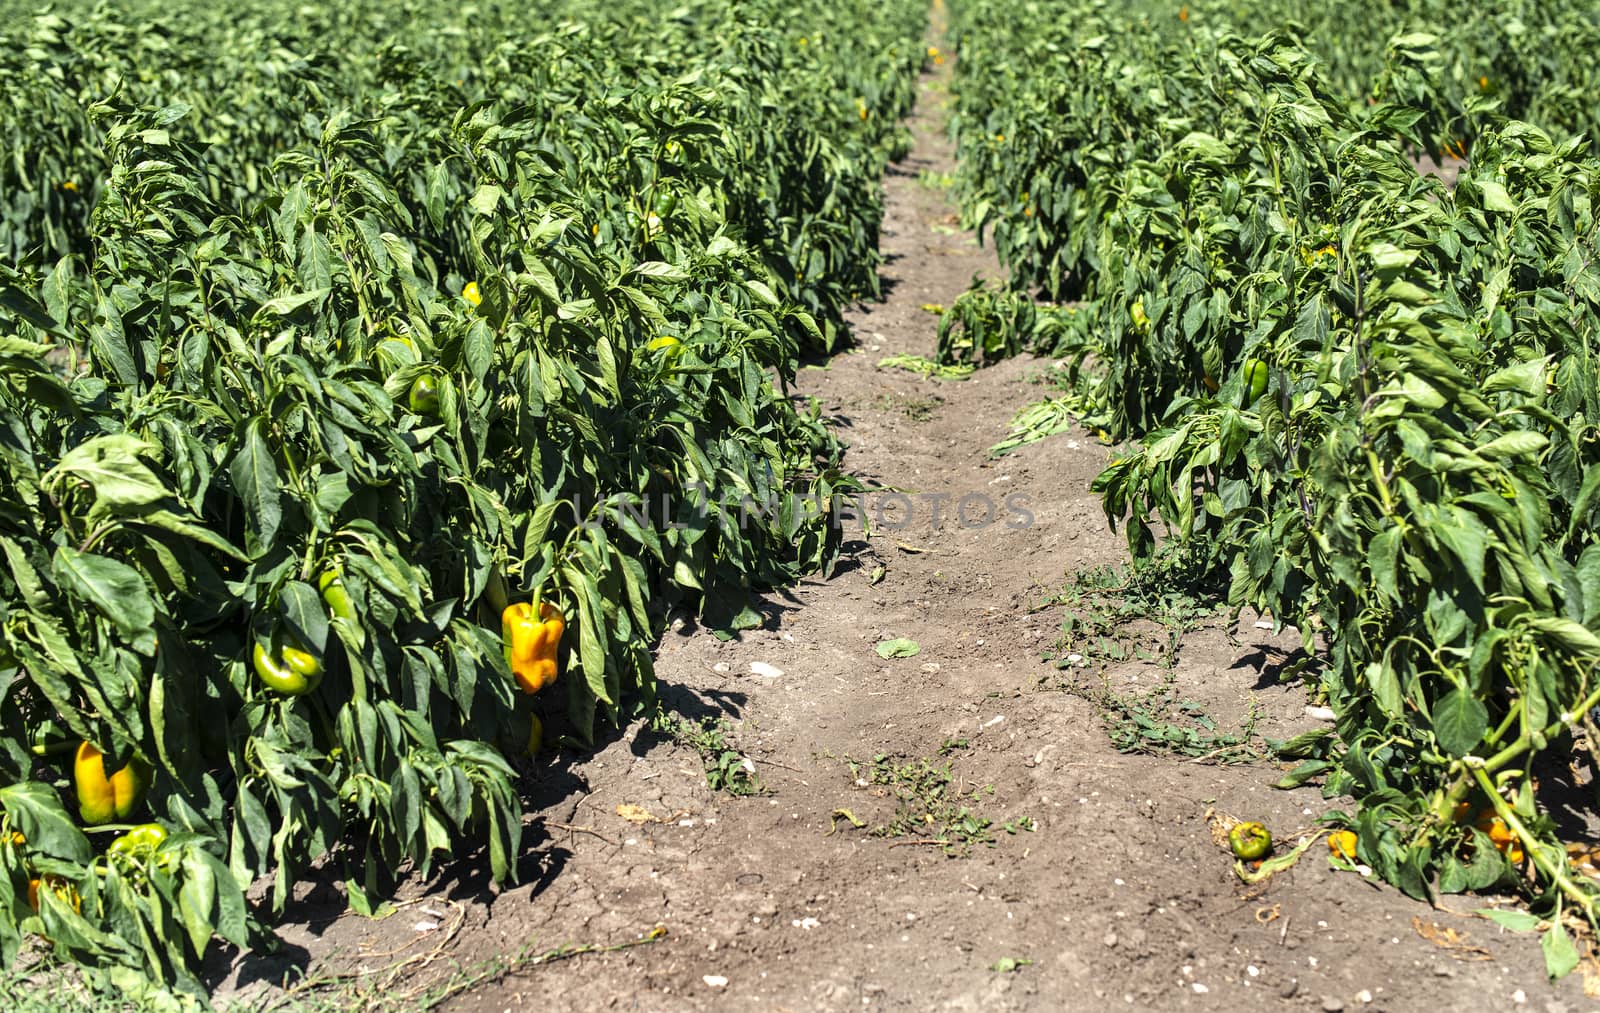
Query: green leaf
(898, 648)
(1495, 197)
(1303, 773)
(116, 589)
(763, 293)
(1516, 921)
(302, 606)
(1571, 635)
(35, 810)
(591, 656)
(366, 904)
(284, 305)
(1460, 721)
(1468, 542)
(486, 199)
(316, 262)
(255, 478)
(1514, 444)
(197, 897)
(1006, 965)
(1523, 377)
(661, 271)
(29, 583)
(1560, 956)
(110, 465)
(169, 521)
(1382, 553)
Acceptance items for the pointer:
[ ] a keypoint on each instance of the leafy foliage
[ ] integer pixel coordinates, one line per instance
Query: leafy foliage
(245, 237)
(1364, 394)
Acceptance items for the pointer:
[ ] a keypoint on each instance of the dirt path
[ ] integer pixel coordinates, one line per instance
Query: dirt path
(1117, 897)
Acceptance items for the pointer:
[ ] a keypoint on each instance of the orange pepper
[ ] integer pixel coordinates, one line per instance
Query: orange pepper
(1343, 843)
(60, 887)
(1497, 830)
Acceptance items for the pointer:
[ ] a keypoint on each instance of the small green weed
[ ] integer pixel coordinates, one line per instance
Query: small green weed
(917, 409)
(1158, 723)
(930, 808)
(726, 768)
(1116, 615)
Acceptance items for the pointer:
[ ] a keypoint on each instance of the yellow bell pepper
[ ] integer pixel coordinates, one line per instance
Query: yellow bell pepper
(104, 798)
(532, 642)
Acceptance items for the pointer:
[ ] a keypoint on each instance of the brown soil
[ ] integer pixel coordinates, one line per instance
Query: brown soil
(1118, 897)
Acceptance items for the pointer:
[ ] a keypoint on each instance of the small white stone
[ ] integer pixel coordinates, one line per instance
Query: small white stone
(715, 980)
(765, 670)
(1253, 971)
(1200, 989)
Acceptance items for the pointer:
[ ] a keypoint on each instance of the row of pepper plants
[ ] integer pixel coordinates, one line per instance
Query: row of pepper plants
(373, 381)
(1368, 398)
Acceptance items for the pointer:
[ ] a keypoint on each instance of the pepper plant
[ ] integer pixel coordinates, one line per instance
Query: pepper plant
(1362, 395)
(356, 335)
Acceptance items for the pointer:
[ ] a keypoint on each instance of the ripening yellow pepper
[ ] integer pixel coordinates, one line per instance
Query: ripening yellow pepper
(531, 643)
(104, 798)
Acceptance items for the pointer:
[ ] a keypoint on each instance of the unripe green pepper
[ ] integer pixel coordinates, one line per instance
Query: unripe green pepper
(334, 595)
(424, 396)
(1250, 841)
(139, 842)
(291, 671)
(1255, 378)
